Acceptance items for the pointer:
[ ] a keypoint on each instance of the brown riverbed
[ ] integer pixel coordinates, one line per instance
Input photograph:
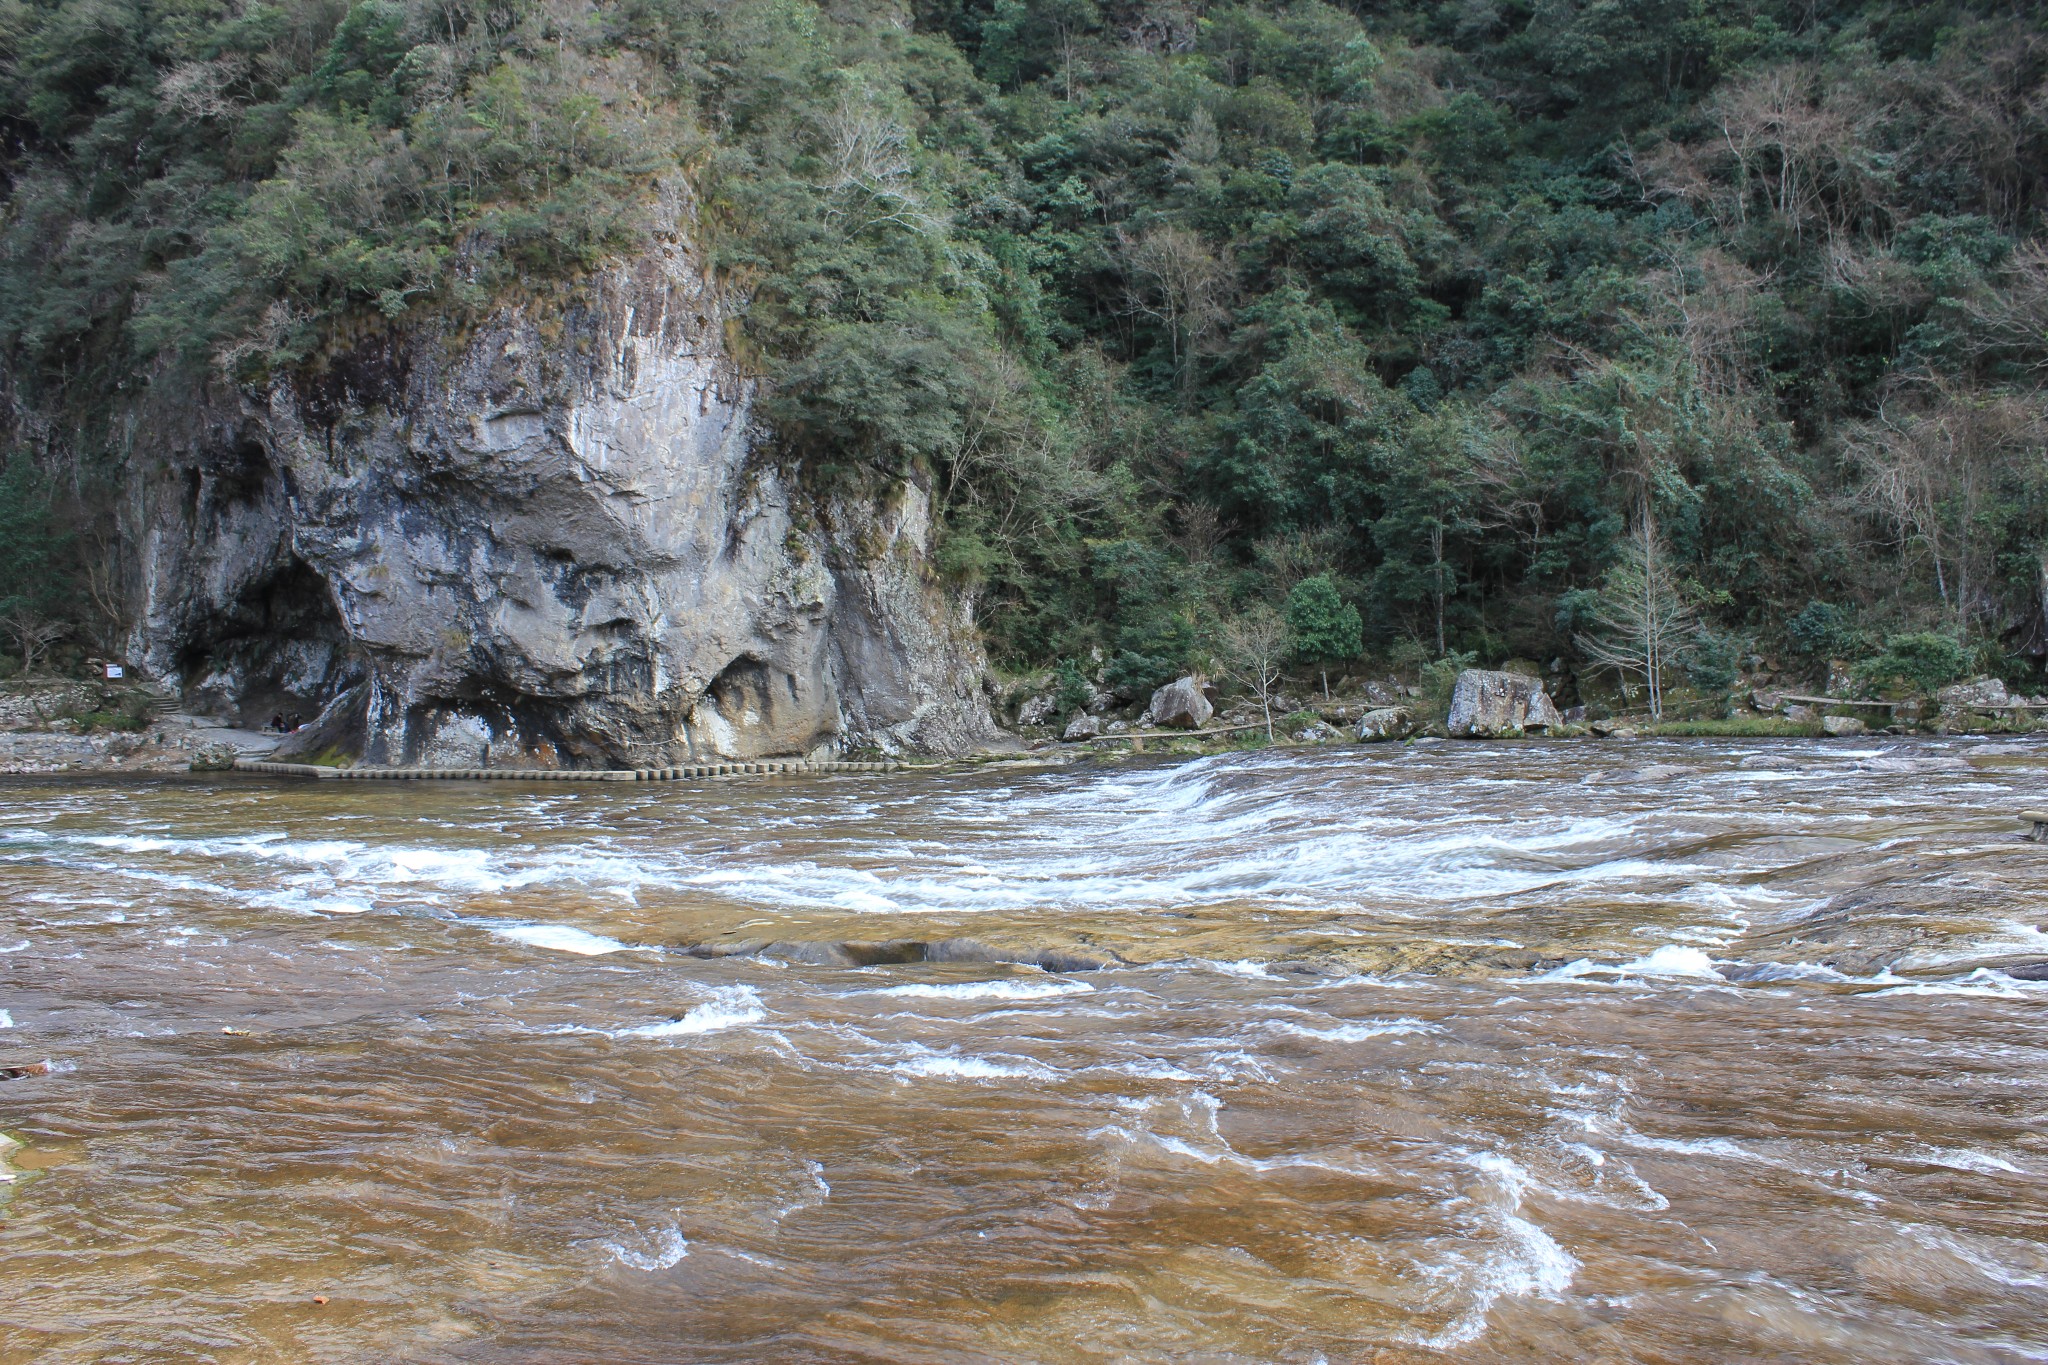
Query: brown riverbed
(1671, 1051)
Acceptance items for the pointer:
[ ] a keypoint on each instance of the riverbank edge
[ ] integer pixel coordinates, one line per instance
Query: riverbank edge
(80, 758)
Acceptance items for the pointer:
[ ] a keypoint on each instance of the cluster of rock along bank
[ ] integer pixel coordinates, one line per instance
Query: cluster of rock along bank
(548, 540)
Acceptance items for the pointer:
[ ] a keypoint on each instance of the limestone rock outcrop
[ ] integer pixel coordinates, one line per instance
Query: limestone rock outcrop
(549, 538)
(1489, 705)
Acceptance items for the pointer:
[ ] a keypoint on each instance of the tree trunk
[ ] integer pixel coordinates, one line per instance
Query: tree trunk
(1436, 550)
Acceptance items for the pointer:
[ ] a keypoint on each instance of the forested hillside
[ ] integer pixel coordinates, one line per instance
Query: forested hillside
(1488, 313)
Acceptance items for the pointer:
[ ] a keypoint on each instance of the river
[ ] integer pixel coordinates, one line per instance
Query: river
(1663, 1051)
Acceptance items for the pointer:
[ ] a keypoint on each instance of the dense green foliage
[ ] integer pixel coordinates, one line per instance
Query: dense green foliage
(1322, 627)
(1919, 662)
(1171, 305)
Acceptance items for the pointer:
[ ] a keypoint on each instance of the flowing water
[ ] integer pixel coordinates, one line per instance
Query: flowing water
(1570, 1051)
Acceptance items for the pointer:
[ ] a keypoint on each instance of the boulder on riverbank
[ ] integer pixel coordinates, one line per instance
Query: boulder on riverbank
(1384, 723)
(1181, 705)
(215, 758)
(1082, 726)
(1490, 705)
(1976, 692)
(1843, 727)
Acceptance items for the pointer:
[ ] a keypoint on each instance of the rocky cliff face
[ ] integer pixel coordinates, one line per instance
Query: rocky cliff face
(550, 540)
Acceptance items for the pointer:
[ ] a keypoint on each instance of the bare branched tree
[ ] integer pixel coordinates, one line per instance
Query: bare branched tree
(1711, 295)
(203, 89)
(1799, 146)
(101, 564)
(2012, 322)
(1933, 461)
(1641, 621)
(33, 633)
(1254, 647)
(1202, 534)
(871, 172)
(1176, 280)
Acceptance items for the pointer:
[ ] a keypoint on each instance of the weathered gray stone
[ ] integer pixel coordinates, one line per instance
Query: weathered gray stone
(1181, 705)
(1039, 709)
(1842, 727)
(1082, 726)
(550, 539)
(1489, 705)
(215, 758)
(1388, 722)
(1976, 692)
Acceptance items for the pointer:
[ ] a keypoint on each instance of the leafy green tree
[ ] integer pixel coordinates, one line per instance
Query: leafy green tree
(1322, 627)
(1918, 662)
(1824, 630)
(1444, 478)
(1071, 689)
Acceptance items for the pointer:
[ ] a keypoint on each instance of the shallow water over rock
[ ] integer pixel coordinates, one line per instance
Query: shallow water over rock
(1559, 1051)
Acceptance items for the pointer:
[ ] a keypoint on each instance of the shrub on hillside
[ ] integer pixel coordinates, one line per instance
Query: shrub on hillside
(1921, 662)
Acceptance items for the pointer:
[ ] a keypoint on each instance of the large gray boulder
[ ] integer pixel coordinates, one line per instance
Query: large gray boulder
(1181, 705)
(1489, 705)
(1387, 722)
(1976, 692)
(1082, 726)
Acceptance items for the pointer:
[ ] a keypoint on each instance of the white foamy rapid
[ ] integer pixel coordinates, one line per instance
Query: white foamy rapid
(657, 1250)
(1671, 960)
(560, 938)
(731, 1007)
(1215, 830)
(1020, 989)
(1524, 1261)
